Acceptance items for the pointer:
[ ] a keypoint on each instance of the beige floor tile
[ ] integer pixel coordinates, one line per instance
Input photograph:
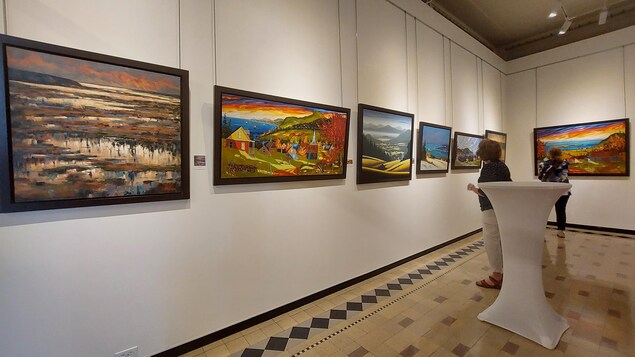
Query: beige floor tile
(218, 351)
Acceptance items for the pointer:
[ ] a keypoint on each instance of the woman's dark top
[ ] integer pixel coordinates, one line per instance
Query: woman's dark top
(493, 171)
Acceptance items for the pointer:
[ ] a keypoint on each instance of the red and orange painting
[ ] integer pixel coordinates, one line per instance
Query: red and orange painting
(592, 149)
(261, 138)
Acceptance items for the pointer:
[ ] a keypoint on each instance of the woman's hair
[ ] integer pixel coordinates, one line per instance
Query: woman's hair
(489, 150)
(555, 152)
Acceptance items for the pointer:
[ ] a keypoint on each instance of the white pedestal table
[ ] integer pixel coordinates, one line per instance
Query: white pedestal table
(522, 210)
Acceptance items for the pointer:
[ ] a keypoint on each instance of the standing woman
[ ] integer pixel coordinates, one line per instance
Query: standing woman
(554, 169)
(493, 170)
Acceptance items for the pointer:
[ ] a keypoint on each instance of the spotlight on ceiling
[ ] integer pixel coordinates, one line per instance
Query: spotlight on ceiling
(603, 15)
(565, 27)
(554, 11)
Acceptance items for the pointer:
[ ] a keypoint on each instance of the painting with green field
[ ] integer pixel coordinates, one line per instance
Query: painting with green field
(384, 144)
(263, 138)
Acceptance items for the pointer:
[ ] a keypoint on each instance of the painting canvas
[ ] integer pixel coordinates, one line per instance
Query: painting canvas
(384, 145)
(592, 149)
(83, 129)
(500, 138)
(262, 138)
(433, 148)
(464, 151)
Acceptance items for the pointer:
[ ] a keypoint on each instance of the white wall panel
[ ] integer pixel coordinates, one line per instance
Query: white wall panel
(431, 75)
(281, 47)
(520, 116)
(465, 91)
(492, 101)
(381, 55)
(144, 30)
(589, 88)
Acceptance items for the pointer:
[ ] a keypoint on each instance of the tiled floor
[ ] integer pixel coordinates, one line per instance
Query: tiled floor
(428, 307)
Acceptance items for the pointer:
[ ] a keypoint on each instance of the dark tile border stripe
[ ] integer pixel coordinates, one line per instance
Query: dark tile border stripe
(598, 229)
(228, 331)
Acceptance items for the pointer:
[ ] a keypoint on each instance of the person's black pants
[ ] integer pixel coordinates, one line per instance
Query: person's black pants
(561, 212)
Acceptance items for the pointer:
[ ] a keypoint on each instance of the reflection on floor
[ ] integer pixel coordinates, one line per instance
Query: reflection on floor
(428, 307)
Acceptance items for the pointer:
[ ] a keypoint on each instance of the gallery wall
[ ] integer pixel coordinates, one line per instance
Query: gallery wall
(97, 280)
(590, 80)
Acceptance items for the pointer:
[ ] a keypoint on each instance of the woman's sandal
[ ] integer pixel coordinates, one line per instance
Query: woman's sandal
(490, 283)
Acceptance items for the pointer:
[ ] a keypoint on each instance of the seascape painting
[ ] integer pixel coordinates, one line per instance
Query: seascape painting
(83, 130)
(592, 149)
(433, 155)
(464, 151)
(384, 145)
(500, 138)
(261, 138)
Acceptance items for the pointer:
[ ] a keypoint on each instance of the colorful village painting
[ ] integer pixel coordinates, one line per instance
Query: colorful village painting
(85, 130)
(592, 149)
(464, 153)
(434, 148)
(384, 145)
(263, 138)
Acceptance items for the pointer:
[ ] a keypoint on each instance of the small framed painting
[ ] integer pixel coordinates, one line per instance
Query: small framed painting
(464, 151)
(599, 148)
(86, 129)
(262, 138)
(433, 148)
(500, 138)
(384, 145)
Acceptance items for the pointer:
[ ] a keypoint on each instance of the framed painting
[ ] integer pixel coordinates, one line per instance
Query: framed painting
(500, 138)
(85, 129)
(262, 138)
(433, 148)
(464, 151)
(599, 148)
(384, 145)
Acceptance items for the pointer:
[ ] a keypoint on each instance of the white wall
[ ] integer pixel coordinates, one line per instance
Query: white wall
(590, 80)
(94, 281)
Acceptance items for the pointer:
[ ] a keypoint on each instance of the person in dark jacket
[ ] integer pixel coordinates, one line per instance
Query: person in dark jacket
(493, 170)
(554, 169)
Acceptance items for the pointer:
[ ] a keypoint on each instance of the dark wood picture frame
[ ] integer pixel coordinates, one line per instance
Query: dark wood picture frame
(500, 138)
(370, 166)
(607, 154)
(459, 154)
(127, 141)
(422, 152)
(308, 142)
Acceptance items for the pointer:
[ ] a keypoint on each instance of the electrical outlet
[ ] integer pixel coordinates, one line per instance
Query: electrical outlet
(130, 352)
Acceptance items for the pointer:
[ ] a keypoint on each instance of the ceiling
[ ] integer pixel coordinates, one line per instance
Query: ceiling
(517, 28)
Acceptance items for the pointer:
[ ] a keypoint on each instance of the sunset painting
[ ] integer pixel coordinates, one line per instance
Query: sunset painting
(85, 130)
(261, 138)
(464, 151)
(592, 149)
(384, 145)
(500, 138)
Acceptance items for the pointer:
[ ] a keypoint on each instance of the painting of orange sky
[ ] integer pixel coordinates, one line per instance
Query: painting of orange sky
(84, 71)
(253, 108)
(592, 131)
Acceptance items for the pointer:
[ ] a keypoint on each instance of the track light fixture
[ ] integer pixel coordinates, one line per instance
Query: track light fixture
(565, 27)
(554, 12)
(604, 13)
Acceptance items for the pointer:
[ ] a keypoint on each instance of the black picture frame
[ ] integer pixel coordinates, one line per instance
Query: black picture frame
(442, 144)
(608, 154)
(308, 142)
(376, 161)
(464, 149)
(500, 138)
(59, 153)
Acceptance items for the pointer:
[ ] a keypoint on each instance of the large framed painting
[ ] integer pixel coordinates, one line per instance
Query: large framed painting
(384, 144)
(464, 151)
(85, 129)
(262, 138)
(433, 148)
(599, 148)
(500, 138)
